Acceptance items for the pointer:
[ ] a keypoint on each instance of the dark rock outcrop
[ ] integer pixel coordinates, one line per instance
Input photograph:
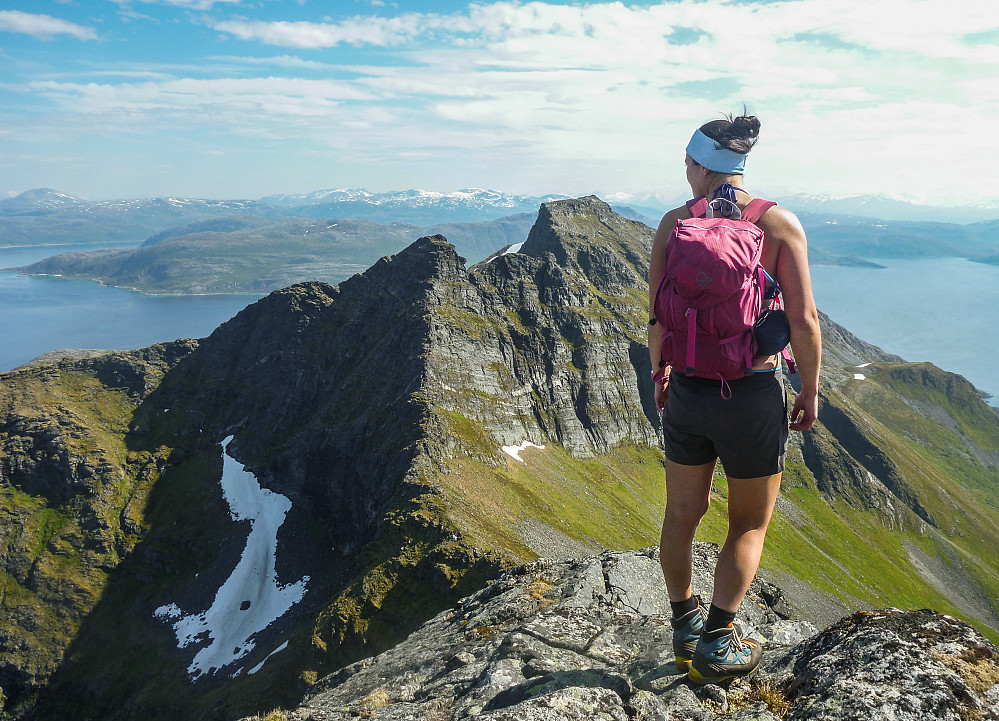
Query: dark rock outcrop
(590, 638)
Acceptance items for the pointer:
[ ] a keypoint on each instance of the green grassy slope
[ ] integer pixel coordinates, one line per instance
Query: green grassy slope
(77, 510)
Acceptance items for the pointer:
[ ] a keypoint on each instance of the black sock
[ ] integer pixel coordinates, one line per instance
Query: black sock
(682, 607)
(718, 621)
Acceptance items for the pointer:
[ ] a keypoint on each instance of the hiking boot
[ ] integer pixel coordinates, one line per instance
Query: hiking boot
(726, 657)
(686, 632)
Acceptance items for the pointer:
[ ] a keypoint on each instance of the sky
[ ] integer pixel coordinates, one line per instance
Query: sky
(232, 99)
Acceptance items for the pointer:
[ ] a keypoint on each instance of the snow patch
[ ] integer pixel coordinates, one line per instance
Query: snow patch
(858, 376)
(515, 248)
(514, 451)
(260, 665)
(171, 610)
(251, 599)
(862, 365)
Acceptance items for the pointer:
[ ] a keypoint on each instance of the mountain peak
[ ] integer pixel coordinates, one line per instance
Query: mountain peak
(37, 199)
(585, 233)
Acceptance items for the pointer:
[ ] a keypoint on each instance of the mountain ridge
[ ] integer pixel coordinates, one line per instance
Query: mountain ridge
(381, 408)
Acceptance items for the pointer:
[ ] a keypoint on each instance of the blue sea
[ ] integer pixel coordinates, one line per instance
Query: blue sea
(38, 315)
(943, 310)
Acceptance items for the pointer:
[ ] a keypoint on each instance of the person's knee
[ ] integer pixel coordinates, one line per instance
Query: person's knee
(742, 522)
(685, 514)
(751, 504)
(746, 535)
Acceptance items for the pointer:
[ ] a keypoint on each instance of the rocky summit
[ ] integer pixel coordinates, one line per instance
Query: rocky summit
(590, 639)
(209, 529)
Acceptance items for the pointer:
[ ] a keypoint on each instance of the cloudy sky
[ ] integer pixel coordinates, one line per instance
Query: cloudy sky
(243, 98)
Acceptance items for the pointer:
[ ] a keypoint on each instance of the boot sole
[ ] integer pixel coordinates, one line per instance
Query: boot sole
(697, 677)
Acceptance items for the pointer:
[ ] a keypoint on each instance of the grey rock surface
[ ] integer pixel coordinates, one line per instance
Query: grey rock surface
(590, 639)
(898, 665)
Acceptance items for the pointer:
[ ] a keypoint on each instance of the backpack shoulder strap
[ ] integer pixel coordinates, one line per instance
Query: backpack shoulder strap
(698, 207)
(756, 208)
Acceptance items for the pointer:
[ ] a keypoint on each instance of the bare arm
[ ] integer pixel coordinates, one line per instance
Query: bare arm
(657, 267)
(796, 286)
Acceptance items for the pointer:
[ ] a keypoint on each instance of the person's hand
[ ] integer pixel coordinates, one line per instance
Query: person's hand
(662, 393)
(805, 412)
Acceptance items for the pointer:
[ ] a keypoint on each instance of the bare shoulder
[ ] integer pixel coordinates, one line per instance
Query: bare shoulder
(782, 230)
(782, 222)
(668, 222)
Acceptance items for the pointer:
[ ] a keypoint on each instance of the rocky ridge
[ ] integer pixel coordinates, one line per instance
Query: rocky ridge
(590, 639)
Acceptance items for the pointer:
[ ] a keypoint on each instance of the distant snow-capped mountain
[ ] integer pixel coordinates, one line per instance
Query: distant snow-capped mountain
(888, 207)
(52, 203)
(880, 206)
(423, 207)
(45, 216)
(426, 207)
(469, 198)
(318, 196)
(37, 199)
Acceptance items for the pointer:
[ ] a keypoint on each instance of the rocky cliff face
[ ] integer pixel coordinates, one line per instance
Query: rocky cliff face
(548, 342)
(430, 427)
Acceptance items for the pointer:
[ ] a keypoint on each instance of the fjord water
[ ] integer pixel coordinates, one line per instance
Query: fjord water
(38, 315)
(943, 310)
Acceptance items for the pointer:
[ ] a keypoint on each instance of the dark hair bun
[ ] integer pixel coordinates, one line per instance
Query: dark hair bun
(747, 126)
(739, 134)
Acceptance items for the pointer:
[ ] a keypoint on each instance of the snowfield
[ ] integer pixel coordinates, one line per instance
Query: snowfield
(251, 599)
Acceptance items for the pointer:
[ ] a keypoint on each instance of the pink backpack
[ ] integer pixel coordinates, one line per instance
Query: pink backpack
(712, 293)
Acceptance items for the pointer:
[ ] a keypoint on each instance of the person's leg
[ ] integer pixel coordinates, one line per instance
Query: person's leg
(688, 490)
(750, 507)
(720, 652)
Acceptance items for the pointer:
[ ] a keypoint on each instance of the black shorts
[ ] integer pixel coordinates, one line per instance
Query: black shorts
(748, 431)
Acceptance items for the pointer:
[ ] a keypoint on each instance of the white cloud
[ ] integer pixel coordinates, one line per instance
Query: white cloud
(42, 26)
(187, 4)
(606, 94)
(359, 31)
(278, 61)
(272, 95)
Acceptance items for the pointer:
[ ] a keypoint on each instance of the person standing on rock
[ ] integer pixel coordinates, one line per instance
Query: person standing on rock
(745, 427)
